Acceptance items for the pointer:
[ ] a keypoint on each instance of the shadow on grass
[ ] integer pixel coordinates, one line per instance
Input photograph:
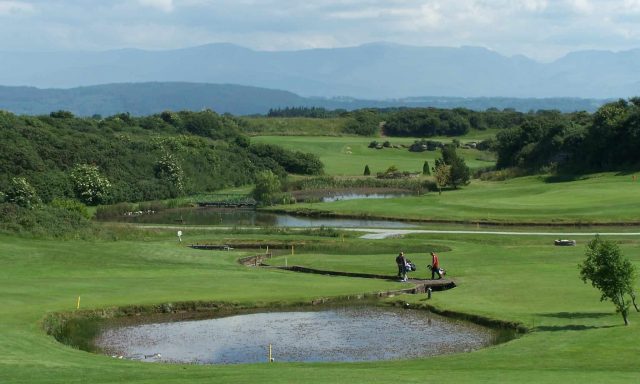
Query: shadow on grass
(573, 315)
(571, 327)
(563, 178)
(576, 315)
(626, 172)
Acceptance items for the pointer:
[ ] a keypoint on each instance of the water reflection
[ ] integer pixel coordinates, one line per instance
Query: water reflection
(248, 217)
(353, 196)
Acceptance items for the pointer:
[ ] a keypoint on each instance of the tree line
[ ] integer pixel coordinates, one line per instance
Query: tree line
(607, 140)
(429, 122)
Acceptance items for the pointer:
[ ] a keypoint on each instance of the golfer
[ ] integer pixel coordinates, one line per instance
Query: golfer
(435, 266)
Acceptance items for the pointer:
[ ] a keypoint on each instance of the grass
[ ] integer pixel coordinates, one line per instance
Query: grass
(575, 337)
(347, 156)
(600, 198)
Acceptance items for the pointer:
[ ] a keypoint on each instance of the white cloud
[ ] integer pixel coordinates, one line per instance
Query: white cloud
(534, 5)
(631, 5)
(163, 5)
(540, 28)
(11, 7)
(581, 6)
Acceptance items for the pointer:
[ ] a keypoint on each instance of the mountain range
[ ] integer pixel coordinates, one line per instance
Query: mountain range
(370, 71)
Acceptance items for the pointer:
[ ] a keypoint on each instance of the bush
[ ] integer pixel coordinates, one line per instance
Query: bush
(90, 186)
(417, 185)
(71, 205)
(20, 192)
(267, 188)
(425, 145)
(43, 221)
(116, 210)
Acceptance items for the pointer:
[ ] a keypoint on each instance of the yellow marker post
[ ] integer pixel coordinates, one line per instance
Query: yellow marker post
(270, 356)
(291, 249)
(78, 303)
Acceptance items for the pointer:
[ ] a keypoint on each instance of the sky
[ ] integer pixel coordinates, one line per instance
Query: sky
(540, 29)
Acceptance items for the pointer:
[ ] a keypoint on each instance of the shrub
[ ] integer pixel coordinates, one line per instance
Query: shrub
(267, 188)
(110, 211)
(43, 221)
(71, 205)
(90, 186)
(20, 192)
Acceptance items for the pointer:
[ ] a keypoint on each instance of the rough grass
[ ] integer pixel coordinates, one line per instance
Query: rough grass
(575, 338)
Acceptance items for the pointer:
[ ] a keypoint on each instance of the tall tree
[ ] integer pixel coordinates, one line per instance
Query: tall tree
(459, 173)
(267, 187)
(442, 174)
(609, 271)
(425, 168)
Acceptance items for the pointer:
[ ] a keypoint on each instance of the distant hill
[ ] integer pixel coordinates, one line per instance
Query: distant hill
(372, 71)
(148, 98)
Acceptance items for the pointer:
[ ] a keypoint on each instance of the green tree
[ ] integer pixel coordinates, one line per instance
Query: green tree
(367, 171)
(71, 205)
(168, 169)
(609, 271)
(89, 185)
(267, 187)
(363, 122)
(425, 168)
(442, 174)
(459, 173)
(20, 192)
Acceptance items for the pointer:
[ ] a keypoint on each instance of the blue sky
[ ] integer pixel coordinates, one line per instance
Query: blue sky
(540, 29)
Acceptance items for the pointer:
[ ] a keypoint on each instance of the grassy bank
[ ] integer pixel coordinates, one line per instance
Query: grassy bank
(575, 338)
(601, 198)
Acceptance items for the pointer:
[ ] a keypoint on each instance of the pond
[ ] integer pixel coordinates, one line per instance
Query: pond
(249, 217)
(360, 333)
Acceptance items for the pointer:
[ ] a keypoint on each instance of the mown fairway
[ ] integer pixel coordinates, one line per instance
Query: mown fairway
(349, 155)
(600, 198)
(574, 337)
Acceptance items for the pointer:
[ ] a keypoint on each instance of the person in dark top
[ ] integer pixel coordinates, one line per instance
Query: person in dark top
(402, 269)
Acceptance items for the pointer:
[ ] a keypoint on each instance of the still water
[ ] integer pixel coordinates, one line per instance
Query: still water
(353, 196)
(249, 217)
(339, 334)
